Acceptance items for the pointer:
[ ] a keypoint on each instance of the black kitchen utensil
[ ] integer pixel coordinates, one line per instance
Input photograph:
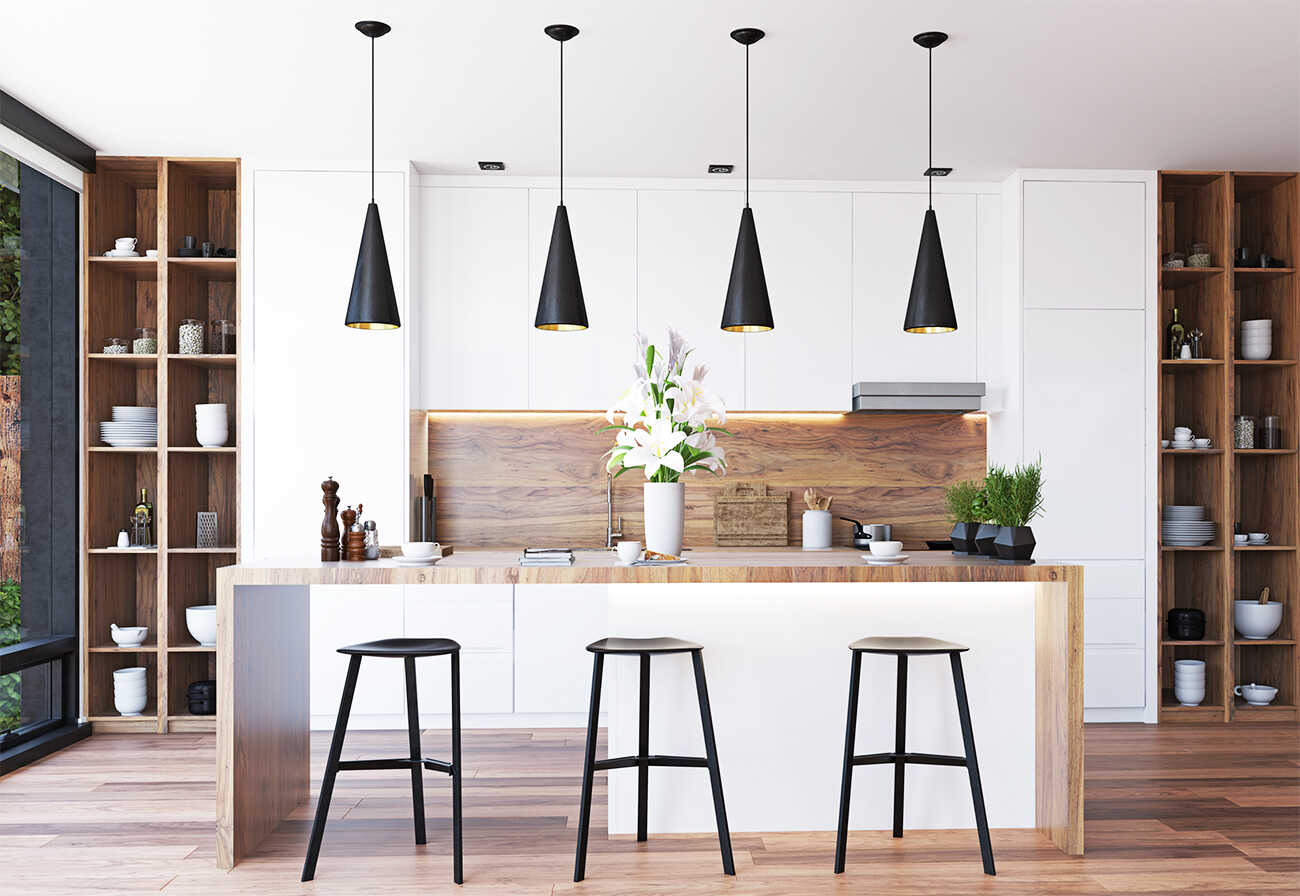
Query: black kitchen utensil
(1241, 258)
(860, 537)
(1186, 624)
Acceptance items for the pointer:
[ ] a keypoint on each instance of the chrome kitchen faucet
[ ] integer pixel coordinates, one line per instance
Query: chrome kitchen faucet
(610, 534)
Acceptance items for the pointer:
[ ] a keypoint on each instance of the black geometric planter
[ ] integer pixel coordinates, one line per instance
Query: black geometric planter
(985, 535)
(1015, 544)
(963, 538)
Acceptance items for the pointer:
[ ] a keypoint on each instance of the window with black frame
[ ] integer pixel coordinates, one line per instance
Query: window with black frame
(38, 465)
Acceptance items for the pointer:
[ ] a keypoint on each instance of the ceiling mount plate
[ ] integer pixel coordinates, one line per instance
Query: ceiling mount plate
(748, 36)
(937, 172)
(930, 39)
(374, 29)
(561, 32)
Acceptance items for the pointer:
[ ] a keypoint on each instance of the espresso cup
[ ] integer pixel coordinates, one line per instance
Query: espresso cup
(1261, 537)
(629, 551)
(886, 548)
(1239, 539)
(125, 244)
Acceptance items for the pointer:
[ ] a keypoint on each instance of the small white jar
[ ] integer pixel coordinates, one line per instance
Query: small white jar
(816, 530)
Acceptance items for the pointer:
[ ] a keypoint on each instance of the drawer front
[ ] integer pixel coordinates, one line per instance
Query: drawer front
(554, 624)
(486, 683)
(1114, 678)
(1114, 622)
(343, 615)
(1114, 578)
(478, 617)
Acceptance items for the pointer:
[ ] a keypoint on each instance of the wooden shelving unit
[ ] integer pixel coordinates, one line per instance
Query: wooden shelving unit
(1258, 488)
(158, 201)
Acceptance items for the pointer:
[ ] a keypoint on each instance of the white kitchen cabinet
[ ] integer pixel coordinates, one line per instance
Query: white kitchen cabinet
(475, 299)
(1085, 414)
(685, 243)
(553, 626)
(485, 683)
(343, 615)
(478, 617)
(1114, 678)
(585, 370)
(1085, 244)
(805, 362)
(307, 225)
(1114, 621)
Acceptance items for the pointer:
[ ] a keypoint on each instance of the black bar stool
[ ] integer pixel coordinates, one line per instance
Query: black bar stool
(408, 649)
(903, 648)
(642, 762)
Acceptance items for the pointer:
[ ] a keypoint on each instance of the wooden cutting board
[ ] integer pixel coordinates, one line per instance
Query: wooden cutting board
(745, 514)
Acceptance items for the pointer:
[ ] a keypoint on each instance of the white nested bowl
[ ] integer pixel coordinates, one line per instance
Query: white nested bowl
(129, 672)
(1256, 353)
(219, 407)
(131, 693)
(201, 620)
(128, 635)
(210, 438)
(1188, 697)
(1189, 665)
(130, 706)
(1254, 620)
(419, 550)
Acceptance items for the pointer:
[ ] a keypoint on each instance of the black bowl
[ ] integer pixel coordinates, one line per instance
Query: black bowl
(1186, 624)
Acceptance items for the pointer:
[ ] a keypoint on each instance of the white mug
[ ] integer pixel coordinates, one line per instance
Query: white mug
(1259, 537)
(125, 244)
(629, 551)
(1239, 539)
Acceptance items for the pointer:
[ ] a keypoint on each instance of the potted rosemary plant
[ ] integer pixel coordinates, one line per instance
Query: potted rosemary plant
(1015, 500)
(987, 533)
(965, 502)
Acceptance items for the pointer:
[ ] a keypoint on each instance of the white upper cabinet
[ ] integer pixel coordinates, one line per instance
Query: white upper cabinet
(805, 363)
(1084, 244)
(585, 370)
(474, 292)
(1085, 413)
(886, 234)
(685, 242)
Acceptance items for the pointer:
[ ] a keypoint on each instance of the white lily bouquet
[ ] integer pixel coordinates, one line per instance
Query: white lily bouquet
(669, 420)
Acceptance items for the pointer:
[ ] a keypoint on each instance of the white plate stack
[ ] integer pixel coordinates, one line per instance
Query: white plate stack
(1257, 339)
(211, 425)
(131, 427)
(130, 690)
(1189, 682)
(1185, 525)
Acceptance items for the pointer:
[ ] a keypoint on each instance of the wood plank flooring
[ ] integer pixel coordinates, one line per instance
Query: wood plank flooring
(1208, 809)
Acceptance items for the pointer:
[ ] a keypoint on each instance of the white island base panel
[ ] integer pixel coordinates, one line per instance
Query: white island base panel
(777, 664)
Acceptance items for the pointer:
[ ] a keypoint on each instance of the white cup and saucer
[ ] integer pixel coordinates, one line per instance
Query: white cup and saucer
(1256, 538)
(629, 552)
(885, 553)
(419, 553)
(123, 247)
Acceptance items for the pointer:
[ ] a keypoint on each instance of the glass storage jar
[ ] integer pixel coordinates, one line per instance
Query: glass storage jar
(115, 345)
(221, 337)
(145, 342)
(189, 337)
(1199, 257)
(1243, 431)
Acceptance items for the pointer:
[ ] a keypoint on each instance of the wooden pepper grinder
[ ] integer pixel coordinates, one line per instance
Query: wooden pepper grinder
(349, 517)
(329, 528)
(354, 538)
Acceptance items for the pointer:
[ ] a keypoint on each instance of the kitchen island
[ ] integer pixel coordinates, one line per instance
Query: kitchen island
(775, 624)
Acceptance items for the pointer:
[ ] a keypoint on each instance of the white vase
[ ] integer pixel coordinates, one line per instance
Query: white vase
(816, 530)
(665, 509)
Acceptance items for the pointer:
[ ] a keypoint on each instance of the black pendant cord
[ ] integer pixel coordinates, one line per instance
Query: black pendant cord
(372, 119)
(561, 122)
(929, 55)
(746, 125)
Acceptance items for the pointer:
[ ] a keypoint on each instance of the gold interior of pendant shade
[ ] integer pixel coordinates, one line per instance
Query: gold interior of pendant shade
(747, 328)
(562, 328)
(932, 329)
(369, 325)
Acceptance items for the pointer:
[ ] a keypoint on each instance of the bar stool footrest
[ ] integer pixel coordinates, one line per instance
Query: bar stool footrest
(433, 765)
(651, 762)
(909, 758)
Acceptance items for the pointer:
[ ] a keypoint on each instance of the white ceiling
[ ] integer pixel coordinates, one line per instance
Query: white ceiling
(656, 88)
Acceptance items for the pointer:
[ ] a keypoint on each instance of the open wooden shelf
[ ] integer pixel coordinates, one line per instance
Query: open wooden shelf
(1263, 642)
(1191, 643)
(158, 201)
(1173, 278)
(1192, 452)
(1183, 363)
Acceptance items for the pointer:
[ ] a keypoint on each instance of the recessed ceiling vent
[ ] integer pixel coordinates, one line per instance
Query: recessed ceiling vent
(491, 166)
(721, 169)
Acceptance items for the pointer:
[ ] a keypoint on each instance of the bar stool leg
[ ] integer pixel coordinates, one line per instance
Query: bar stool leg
(972, 766)
(588, 769)
(643, 751)
(846, 781)
(715, 775)
(457, 858)
(413, 735)
(900, 743)
(331, 769)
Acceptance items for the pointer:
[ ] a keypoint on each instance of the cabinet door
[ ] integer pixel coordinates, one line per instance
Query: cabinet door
(474, 295)
(480, 619)
(886, 234)
(685, 242)
(1085, 411)
(307, 225)
(553, 626)
(589, 369)
(1084, 244)
(1113, 678)
(343, 615)
(805, 363)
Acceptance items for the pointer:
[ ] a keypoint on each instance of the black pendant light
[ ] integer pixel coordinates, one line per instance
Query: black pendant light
(373, 303)
(929, 307)
(560, 306)
(748, 309)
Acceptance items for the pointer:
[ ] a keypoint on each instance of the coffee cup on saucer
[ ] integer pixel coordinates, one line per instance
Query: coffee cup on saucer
(1257, 538)
(124, 244)
(629, 551)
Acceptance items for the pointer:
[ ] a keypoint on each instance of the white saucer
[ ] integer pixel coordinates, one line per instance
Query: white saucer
(415, 561)
(885, 561)
(114, 253)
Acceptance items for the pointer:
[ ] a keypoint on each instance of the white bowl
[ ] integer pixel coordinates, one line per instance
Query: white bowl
(139, 693)
(1164, 443)
(1189, 664)
(201, 620)
(211, 439)
(1254, 620)
(1255, 353)
(886, 548)
(1189, 697)
(1256, 694)
(128, 635)
(129, 672)
(419, 550)
(130, 706)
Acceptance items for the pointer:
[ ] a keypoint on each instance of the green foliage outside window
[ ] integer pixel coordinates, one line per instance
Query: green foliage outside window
(10, 688)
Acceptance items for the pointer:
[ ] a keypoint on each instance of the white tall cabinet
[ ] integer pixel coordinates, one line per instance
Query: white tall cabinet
(1082, 307)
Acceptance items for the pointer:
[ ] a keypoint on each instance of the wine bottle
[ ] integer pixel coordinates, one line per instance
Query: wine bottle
(1177, 333)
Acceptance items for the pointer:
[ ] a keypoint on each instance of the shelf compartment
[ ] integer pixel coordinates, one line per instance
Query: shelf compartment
(1271, 665)
(1266, 300)
(1194, 207)
(99, 671)
(1274, 570)
(122, 590)
(203, 202)
(201, 293)
(204, 360)
(1216, 672)
(118, 301)
(190, 385)
(1262, 214)
(1201, 304)
(1261, 391)
(122, 201)
(200, 482)
(191, 581)
(218, 268)
(117, 478)
(1266, 500)
(1244, 276)
(182, 670)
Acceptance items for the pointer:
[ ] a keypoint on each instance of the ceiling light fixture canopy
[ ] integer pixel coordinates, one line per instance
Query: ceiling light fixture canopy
(748, 309)
(929, 307)
(373, 302)
(560, 305)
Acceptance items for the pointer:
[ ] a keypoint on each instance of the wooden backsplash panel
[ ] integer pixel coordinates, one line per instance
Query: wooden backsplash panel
(536, 478)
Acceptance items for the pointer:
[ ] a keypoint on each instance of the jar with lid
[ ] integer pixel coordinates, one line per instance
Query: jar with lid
(1243, 431)
(221, 337)
(145, 342)
(372, 540)
(1199, 257)
(189, 336)
(115, 345)
(1271, 432)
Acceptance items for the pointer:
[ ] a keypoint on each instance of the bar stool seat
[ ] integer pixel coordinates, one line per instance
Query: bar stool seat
(895, 646)
(408, 650)
(623, 646)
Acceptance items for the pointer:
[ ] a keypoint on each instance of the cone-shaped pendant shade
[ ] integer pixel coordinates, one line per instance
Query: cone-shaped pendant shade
(929, 308)
(560, 306)
(373, 303)
(748, 309)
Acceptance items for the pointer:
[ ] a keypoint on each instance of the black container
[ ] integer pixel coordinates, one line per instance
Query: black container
(1186, 624)
(963, 538)
(1015, 544)
(985, 535)
(203, 707)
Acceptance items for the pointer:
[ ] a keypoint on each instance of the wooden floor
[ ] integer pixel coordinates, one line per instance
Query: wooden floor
(1206, 809)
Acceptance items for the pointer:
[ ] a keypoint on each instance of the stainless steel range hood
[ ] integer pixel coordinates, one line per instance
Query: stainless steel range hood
(953, 398)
